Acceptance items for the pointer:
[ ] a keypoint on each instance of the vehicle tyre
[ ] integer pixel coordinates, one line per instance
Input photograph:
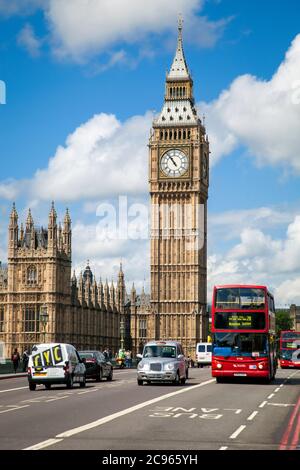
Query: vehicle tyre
(198, 365)
(99, 376)
(177, 379)
(187, 373)
(110, 376)
(140, 382)
(201, 365)
(47, 386)
(32, 387)
(220, 380)
(82, 384)
(183, 380)
(70, 382)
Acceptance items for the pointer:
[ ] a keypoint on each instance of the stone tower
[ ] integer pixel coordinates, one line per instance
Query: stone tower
(179, 171)
(39, 271)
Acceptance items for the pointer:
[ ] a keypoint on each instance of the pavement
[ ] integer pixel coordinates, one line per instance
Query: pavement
(241, 414)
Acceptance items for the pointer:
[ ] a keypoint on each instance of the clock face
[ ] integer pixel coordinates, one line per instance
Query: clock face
(174, 163)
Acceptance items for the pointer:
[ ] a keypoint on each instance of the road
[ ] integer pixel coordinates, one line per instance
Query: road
(122, 415)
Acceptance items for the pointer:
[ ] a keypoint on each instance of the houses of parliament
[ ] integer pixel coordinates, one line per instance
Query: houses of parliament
(91, 315)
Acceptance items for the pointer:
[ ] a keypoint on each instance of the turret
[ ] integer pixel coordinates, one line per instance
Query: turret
(67, 234)
(52, 230)
(13, 231)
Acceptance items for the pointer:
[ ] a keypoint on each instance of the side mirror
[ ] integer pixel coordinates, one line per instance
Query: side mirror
(181, 356)
(139, 356)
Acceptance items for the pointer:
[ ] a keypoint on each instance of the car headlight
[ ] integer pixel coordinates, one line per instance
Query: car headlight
(144, 365)
(170, 366)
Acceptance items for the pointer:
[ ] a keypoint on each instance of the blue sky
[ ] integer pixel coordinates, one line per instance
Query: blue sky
(60, 73)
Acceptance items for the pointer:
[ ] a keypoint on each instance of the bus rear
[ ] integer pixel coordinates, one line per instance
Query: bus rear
(289, 352)
(243, 327)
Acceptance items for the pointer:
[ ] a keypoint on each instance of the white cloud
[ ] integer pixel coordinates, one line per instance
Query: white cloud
(258, 258)
(101, 157)
(104, 24)
(29, 41)
(263, 116)
(105, 255)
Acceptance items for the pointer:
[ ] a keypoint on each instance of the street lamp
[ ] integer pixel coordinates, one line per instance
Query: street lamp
(44, 317)
(122, 330)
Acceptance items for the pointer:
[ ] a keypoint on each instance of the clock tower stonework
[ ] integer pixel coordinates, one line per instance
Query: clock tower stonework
(178, 177)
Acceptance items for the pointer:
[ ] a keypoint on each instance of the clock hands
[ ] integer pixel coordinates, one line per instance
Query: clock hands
(171, 158)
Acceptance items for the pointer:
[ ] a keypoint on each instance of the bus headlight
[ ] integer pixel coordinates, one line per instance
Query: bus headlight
(260, 366)
(219, 366)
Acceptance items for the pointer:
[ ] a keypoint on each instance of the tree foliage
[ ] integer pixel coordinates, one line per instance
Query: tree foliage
(283, 321)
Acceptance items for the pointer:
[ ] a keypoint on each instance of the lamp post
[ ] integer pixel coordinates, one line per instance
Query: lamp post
(44, 317)
(122, 330)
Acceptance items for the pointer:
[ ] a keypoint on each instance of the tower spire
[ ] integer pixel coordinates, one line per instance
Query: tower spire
(179, 68)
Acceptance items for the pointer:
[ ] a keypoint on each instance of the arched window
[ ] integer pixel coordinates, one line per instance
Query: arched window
(175, 135)
(31, 275)
(171, 92)
(189, 134)
(166, 135)
(184, 134)
(179, 135)
(184, 91)
(161, 135)
(170, 135)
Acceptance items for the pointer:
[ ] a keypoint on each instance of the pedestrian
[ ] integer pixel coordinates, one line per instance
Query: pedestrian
(25, 359)
(15, 357)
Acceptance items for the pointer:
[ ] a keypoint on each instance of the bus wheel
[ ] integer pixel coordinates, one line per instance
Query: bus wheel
(220, 380)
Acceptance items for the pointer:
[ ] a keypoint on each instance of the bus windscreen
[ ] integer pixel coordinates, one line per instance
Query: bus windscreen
(240, 298)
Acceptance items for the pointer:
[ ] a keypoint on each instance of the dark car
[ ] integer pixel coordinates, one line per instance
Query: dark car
(97, 365)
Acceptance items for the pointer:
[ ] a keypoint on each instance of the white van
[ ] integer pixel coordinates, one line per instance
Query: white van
(203, 354)
(55, 363)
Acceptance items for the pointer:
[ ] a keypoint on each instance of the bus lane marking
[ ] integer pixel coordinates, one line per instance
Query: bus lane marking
(237, 432)
(270, 396)
(252, 416)
(223, 448)
(276, 389)
(262, 404)
(191, 413)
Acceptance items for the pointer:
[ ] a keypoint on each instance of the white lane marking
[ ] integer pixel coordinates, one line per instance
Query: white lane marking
(14, 409)
(236, 410)
(12, 389)
(250, 418)
(276, 389)
(119, 414)
(237, 432)
(88, 391)
(282, 404)
(43, 444)
(56, 398)
(223, 448)
(271, 395)
(262, 404)
(281, 385)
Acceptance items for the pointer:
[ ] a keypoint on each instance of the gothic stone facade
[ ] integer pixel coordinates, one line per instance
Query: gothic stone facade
(38, 276)
(179, 179)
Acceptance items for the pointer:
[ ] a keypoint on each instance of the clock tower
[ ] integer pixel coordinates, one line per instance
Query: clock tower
(179, 178)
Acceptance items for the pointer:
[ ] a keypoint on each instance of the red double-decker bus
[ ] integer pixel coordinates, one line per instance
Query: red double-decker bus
(243, 327)
(289, 349)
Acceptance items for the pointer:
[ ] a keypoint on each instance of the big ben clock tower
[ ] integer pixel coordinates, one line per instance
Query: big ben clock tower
(178, 177)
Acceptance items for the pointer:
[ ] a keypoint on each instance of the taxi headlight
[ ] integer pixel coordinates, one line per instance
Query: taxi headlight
(143, 365)
(170, 366)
